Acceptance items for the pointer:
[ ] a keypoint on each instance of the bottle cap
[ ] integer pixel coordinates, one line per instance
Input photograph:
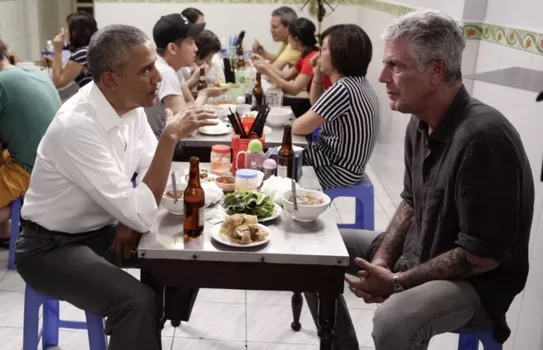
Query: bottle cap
(269, 164)
(246, 174)
(222, 149)
(254, 146)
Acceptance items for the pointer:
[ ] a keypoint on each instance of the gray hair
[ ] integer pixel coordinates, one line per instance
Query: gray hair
(286, 14)
(432, 34)
(110, 48)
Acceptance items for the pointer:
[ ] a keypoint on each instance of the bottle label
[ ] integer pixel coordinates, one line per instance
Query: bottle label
(201, 216)
(282, 171)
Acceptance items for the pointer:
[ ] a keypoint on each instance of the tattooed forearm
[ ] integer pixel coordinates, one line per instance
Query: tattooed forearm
(391, 247)
(454, 264)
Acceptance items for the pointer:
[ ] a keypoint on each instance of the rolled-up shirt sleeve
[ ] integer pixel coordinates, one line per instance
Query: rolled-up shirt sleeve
(85, 160)
(407, 192)
(488, 198)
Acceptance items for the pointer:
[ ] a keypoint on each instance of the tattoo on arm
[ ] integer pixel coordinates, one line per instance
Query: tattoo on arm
(454, 264)
(392, 244)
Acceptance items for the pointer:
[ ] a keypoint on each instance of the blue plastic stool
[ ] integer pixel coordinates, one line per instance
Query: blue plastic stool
(365, 211)
(469, 339)
(52, 323)
(15, 216)
(314, 135)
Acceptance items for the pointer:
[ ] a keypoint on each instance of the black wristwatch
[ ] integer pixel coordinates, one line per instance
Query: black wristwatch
(396, 281)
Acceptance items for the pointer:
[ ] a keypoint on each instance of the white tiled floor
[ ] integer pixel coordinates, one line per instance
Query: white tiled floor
(221, 319)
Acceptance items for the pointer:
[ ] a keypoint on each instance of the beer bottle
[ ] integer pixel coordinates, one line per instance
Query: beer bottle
(258, 92)
(194, 202)
(240, 60)
(201, 84)
(285, 156)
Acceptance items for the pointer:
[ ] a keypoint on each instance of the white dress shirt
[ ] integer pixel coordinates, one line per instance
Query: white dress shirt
(81, 180)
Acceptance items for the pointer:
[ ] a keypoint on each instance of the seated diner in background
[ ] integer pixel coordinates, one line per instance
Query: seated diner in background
(82, 218)
(22, 126)
(298, 78)
(174, 37)
(347, 112)
(209, 46)
(455, 254)
(280, 21)
(81, 27)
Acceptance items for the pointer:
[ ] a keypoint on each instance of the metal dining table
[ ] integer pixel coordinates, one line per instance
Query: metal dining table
(300, 257)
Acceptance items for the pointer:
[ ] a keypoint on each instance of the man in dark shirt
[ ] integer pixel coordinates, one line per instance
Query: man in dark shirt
(456, 252)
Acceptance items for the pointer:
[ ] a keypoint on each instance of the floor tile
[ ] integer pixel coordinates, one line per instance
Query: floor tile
(271, 323)
(203, 344)
(4, 253)
(222, 295)
(279, 346)
(12, 282)
(217, 321)
(265, 297)
(12, 338)
(447, 341)
(11, 306)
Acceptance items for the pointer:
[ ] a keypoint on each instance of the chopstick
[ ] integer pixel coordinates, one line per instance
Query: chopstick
(236, 124)
(174, 185)
(260, 127)
(256, 121)
(293, 183)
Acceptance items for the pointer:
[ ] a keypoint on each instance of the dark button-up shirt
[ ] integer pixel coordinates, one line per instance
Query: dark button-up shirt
(470, 185)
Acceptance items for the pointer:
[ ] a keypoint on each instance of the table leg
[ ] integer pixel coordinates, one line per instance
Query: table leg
(297, 302)
(152, 283)
(327, 319)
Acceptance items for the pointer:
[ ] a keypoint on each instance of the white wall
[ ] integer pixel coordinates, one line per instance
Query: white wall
(222, 19)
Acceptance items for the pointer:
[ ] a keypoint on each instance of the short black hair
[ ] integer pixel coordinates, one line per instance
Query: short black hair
(192, 14)
(350, 49)
(81, 28)
(286, 14)
(111, 47)
(207, 43)
(161, 51)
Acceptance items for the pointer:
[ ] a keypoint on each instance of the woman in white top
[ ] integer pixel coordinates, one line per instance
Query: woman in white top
(347, 112)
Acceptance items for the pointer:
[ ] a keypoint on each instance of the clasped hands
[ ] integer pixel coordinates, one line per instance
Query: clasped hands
(374, 283)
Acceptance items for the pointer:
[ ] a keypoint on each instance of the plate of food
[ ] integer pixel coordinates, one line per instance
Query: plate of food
(251, 203)
(205, 175)
(220, 129)
(241, 230)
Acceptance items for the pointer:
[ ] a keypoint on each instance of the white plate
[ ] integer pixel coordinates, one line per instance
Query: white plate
(219, 237)
(221, 129)
(277, 213)
(266, 130)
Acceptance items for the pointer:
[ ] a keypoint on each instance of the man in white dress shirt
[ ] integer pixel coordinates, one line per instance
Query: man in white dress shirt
(82, 216)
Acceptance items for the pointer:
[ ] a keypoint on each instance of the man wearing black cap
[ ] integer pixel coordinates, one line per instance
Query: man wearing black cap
(174, 38)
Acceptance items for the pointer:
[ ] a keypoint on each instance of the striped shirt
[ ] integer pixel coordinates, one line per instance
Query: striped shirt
(351, 110)
(80, 56)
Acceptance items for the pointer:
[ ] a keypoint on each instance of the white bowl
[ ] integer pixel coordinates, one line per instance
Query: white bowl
(168, 203)
(279, 116)
(305, 213)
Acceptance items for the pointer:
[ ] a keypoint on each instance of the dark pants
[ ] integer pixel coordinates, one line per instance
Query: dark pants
(299, 105)
(79, 269)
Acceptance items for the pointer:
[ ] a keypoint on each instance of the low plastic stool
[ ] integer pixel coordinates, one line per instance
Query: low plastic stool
(365, 211)
(52, 323)
(14, 230)
(469, 339)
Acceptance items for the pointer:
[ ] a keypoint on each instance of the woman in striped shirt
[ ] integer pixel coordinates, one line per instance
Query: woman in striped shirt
(81, 27)
(347, 112)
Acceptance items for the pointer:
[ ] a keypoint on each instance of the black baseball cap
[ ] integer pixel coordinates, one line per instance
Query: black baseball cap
(540, 97)
(173, 27)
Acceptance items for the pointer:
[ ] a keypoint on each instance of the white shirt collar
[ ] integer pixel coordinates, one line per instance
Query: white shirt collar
(106, 116)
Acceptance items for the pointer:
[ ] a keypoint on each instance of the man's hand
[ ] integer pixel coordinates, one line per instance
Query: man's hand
(375, 282)
(58, 42)
(213, 91)
(188, 120)
(125, 243)
(257, 48)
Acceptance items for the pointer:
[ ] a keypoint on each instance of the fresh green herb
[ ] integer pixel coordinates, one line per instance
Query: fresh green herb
(249, 202)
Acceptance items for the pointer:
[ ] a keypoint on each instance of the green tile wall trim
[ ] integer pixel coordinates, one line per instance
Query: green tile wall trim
(509, 37)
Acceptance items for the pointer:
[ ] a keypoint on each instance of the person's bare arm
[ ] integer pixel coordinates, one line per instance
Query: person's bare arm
(317, 88)
(175, 103)
(391, 247)
(289, 86)
(284, 74)
(62, 76)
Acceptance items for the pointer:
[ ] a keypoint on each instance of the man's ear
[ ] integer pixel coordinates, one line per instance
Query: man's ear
(108, 80)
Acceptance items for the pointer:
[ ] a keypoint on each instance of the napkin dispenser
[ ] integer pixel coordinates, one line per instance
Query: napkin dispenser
(298, 159)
